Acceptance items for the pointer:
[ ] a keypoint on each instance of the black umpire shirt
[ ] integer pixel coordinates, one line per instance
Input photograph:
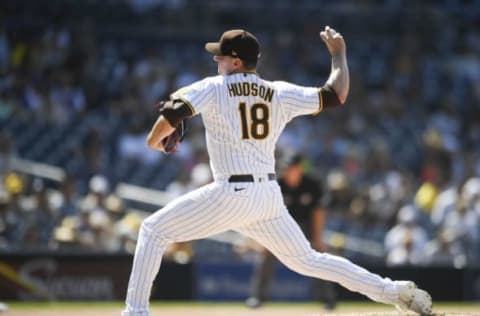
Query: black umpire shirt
(302, 200)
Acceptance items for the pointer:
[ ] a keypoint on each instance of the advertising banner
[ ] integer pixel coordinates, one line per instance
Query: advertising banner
(231, 282)
(83, 277)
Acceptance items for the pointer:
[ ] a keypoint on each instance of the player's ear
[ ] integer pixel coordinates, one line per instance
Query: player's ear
(237, 62)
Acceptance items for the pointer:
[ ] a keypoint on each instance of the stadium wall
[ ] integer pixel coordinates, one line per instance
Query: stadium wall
(79, 277)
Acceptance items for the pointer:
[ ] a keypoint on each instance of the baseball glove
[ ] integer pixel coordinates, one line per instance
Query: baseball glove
(170, 143)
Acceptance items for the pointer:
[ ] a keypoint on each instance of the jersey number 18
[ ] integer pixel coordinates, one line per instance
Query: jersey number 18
(254, 123)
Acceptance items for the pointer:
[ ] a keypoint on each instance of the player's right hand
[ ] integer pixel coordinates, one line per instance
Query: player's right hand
(333, 40)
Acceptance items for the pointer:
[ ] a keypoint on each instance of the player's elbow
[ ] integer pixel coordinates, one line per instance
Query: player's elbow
(342, 92)
(342, 98)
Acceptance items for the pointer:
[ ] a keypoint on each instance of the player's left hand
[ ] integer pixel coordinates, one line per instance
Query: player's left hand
(334, 41)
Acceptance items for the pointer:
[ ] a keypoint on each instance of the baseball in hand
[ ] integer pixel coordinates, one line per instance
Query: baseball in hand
(333, 40)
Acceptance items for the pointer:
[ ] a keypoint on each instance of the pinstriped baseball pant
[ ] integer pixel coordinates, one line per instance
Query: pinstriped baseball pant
(257, 211)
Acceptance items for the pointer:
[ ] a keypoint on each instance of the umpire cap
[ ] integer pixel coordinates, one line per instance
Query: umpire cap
(236, 43)
(289, 159)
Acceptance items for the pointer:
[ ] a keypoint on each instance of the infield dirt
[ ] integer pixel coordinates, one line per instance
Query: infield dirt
(225, 311)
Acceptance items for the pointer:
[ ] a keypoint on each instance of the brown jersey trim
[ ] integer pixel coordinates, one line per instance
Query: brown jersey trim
(320, 102)
(176, 112)
(192, 109)
(330, 97)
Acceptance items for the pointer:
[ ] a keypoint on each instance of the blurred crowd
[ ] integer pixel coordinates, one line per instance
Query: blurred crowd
(38, 214)
(35, 216)
(400, 161)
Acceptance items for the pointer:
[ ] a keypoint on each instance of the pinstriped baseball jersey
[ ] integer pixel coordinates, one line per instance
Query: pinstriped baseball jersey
(244, 115)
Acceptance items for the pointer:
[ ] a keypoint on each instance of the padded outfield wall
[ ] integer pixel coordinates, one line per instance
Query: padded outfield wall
(104, 277)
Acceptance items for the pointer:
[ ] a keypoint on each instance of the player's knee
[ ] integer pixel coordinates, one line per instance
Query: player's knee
(145, 229)
(303, 264)
(297, 264)
(148, 223)
(155, 225)
(149, 231)
(158, 220)
(149, 226)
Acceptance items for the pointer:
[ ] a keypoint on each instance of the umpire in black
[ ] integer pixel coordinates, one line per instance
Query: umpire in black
(302, 195)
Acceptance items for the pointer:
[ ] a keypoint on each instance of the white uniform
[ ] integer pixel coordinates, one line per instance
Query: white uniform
(243, 116)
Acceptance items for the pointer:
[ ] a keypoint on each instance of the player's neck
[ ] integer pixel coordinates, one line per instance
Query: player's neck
(243, 71)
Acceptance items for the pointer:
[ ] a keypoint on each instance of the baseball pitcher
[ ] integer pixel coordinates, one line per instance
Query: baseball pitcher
(243, 116)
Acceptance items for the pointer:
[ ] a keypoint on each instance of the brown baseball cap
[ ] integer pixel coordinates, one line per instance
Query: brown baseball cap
(236, 43)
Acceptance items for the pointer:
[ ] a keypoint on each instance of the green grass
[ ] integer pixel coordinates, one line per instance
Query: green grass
(448, 306)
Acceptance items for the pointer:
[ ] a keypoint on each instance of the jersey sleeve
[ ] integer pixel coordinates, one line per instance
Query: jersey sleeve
(198, 96)
(298, 100)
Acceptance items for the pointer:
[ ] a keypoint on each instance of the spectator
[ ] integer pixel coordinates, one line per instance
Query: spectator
(6, 154)
(443, 251)
(406, 241)
(7, 221)
(12, 211)
(463, 222)
(68, 196)
(40, 220)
